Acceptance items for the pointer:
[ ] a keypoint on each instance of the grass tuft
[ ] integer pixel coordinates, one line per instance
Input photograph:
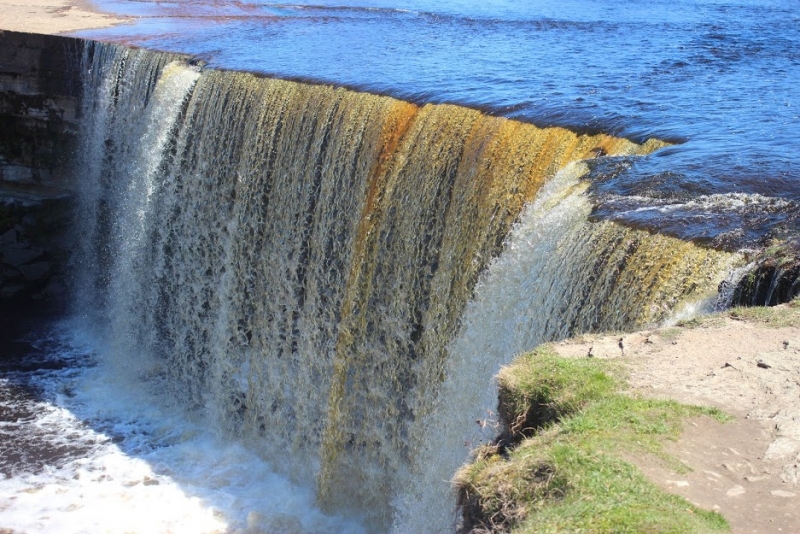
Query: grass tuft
(540, 388)
(774, 316)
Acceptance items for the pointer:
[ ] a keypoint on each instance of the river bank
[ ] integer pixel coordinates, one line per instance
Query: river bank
(52, 16)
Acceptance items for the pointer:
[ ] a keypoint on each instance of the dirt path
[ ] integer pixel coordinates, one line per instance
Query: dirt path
(746, 469)
(51, 16)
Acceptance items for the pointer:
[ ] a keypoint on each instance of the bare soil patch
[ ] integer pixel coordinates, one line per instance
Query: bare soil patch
(746, 469)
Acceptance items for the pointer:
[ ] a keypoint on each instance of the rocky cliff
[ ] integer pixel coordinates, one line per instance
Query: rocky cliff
(39, 107)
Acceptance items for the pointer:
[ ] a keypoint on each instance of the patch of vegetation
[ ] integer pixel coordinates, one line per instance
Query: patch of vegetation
(670, 334)
(774, 316)
(703, 321)
(562, 470)
(541, 387)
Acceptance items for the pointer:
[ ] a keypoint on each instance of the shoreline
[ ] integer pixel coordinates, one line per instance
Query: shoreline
(53, 17)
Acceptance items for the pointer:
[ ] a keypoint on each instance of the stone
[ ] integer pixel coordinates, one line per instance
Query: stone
(781, 493)
(788, 427)
(735, 491)
(19, 254)
(36, 271)
(782, 448)
(8, 238)
(790, 474)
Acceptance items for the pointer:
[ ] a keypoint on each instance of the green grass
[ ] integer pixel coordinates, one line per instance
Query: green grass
(775, 316)
(541, 387)
(567, 472)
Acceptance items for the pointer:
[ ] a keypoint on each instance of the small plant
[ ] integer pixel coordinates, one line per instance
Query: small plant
(775, 316)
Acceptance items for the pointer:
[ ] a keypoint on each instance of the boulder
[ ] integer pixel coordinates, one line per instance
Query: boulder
(36, 271)
(8, 238)
(18, 254)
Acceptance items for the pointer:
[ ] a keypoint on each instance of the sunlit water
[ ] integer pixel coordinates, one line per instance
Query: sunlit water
(719, 77)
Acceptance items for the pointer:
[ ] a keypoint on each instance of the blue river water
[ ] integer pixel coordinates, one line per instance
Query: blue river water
(719, 78)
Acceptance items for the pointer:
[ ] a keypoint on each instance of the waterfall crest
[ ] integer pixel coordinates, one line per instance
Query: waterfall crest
(298, 259)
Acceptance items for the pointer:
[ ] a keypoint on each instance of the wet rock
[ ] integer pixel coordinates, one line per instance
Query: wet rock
(18, 174)
(30, 220)
(8, 238)
(55, 288)
(774, 278)
(12, 290)
(36, 271)
(8, 272)
(39, 101)
(19, 254)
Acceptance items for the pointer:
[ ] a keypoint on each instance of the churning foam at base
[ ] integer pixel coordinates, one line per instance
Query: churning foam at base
(136, 464)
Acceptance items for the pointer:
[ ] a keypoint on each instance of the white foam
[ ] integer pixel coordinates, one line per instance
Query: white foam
(141, 465)
(718, 203)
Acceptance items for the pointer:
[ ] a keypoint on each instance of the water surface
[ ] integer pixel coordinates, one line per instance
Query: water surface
(718, 78)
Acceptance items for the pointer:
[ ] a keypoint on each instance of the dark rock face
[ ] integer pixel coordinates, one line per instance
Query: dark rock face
(773, 279)
(39, 107)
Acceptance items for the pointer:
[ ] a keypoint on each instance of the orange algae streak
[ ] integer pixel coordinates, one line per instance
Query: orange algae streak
(397, 119)
(396, 123)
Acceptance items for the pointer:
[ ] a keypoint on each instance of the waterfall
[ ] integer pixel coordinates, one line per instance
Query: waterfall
(333, 277)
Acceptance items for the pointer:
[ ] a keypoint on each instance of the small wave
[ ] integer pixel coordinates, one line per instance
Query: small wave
(717, 203)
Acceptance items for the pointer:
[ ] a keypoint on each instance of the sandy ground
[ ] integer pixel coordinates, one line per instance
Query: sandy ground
(51, 16)
(746, 469)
